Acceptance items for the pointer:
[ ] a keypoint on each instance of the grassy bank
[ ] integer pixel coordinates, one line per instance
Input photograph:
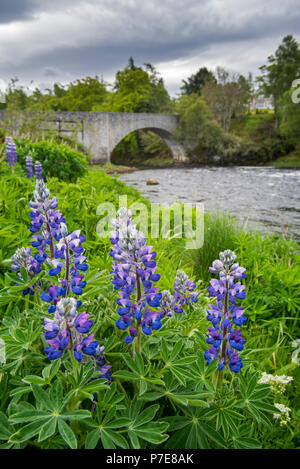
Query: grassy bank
(292, 160)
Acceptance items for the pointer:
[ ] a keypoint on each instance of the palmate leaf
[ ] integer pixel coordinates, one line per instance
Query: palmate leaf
(44, 422)
(194, 434)
(255, 399)
(105, 431)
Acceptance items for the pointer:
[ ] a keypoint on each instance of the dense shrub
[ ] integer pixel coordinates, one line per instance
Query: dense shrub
(58, 160)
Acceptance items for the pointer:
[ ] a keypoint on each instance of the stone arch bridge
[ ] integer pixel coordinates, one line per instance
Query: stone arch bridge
(100, 132)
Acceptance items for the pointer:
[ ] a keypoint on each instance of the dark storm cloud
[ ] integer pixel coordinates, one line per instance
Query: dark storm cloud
(71, 39)
(16, 10)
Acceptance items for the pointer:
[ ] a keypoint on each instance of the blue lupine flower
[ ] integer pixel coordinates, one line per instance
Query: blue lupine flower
(57, 345)
(67, 329)
(225, 341)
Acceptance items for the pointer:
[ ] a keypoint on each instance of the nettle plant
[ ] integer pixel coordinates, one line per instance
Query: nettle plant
(153, 377)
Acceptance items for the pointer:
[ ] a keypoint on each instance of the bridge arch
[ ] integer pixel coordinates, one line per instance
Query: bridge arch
(176, 149)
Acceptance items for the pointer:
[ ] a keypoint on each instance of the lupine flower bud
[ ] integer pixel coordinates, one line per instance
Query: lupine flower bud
(227, 257)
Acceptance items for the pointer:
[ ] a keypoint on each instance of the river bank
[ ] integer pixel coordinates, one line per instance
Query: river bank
(290, 161)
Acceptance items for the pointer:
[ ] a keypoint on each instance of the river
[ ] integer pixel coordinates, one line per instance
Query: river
(268, 198)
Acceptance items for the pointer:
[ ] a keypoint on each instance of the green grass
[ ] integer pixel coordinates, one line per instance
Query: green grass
(292, 160)
(110, 168)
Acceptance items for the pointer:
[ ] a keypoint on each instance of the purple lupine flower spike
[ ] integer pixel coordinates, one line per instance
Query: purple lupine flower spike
(38, 170)
(66, 331)
(183, 294)
(11, 152)
(224, 339)
(133, 274)
(29, 167)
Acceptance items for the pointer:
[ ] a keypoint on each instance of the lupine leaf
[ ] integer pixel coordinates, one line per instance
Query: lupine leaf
(28, 416)
(119, 440)
(124, 374)
(151, 396)
(106, 440)
(132, 364)
(92, 439)
(42, 397)
(27, 432)
(67, 434)
(147, 415)
(48, 429)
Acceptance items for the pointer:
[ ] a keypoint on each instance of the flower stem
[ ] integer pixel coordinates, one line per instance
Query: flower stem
(220, 379)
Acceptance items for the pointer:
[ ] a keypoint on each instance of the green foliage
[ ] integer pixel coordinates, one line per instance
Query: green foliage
(139, 90)
(282, 68)
(228, 96)
(194, 83)
(140, 146)
(79, 96)
(197, 130)
(58, 160)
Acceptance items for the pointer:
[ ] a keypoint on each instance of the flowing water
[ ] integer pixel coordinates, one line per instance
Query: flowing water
(267, 198)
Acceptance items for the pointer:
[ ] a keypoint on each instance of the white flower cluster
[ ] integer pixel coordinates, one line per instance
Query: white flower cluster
(283, 416)
(277, 383)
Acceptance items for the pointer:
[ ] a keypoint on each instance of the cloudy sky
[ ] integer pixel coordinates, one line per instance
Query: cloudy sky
(60, 40)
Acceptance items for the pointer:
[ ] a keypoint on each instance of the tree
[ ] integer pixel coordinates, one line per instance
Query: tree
(280, 71)
(16, 97)
(139, 90)
(197, 130)
(81, 95)
(195, 82)
(228, 96)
